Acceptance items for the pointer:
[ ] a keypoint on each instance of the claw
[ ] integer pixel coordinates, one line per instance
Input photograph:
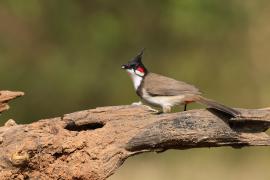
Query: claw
(137, 103)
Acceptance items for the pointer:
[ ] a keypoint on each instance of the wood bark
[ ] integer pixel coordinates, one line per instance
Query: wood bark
(5, 97)
(93, 144)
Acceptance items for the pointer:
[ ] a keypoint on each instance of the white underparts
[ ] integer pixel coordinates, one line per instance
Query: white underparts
(165, 102)
(136, 79)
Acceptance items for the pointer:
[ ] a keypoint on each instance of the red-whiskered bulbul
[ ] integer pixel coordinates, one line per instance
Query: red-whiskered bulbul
(165, 92)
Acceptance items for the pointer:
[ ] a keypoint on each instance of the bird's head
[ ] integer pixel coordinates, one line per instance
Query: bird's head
(135, 66)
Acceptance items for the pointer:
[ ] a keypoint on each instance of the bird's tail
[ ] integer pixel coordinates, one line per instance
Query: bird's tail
(215, 105)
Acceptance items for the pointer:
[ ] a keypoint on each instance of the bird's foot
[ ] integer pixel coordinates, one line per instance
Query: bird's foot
(137, 103)
(152, 110)
(147, 107)
(158, 112)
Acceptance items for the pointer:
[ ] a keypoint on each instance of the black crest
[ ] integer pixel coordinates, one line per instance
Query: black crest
(137, 59)
(135, 62)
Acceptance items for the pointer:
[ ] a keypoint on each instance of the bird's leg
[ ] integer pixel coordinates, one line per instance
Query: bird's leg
(148, 107)
(185, 108)
(152, 109)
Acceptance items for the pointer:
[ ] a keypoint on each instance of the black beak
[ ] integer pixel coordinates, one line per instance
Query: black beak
(125, 66)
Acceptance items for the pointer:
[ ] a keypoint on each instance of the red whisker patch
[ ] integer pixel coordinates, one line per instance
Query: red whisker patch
(140, 69)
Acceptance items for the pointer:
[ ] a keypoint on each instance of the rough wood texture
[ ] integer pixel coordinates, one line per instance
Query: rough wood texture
(92, 144)
(6, 96)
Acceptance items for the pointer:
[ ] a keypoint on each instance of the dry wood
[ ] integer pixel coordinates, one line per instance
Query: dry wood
(6, 96)
(93, 144)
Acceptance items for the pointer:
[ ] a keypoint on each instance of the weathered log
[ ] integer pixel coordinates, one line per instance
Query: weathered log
(93, 144)
(5, 97)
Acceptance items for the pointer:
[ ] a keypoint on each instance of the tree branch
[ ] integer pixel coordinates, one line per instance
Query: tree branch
(5, 97)
(93, 144)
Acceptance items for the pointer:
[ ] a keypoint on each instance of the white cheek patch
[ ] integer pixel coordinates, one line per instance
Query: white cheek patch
(139, 73)
(130, 71)
(135, 78)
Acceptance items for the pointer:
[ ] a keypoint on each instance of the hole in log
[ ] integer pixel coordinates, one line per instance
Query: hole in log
(72, 126)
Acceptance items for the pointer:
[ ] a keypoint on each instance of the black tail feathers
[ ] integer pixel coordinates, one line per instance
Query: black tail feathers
(215, 105)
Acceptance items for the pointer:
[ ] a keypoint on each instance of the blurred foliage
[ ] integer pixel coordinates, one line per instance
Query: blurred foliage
(198, 164)
(66, 55)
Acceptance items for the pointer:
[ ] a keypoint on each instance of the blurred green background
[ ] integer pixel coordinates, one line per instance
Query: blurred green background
(66, 55)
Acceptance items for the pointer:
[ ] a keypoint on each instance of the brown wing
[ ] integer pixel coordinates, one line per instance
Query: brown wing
(158, 85)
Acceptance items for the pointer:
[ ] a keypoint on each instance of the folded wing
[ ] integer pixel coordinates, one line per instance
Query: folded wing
(158, 85)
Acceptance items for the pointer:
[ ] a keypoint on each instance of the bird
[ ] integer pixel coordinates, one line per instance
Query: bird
(164, 92)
